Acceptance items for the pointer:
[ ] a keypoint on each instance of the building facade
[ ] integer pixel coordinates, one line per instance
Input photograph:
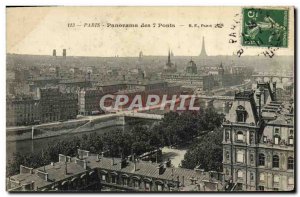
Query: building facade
(22, 111)
(98, 173)
(258, 142)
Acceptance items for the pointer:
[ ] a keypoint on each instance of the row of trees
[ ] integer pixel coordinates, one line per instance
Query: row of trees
(174, 129)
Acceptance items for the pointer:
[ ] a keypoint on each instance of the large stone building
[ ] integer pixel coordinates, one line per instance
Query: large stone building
(22, 111)
(98, 173)
(258, 143)
(89, 101)
(190, 78)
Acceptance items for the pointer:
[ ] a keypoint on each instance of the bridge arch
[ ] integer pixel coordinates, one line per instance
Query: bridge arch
(276, 79)
(258, 79)
(267, 79)
(286, 80)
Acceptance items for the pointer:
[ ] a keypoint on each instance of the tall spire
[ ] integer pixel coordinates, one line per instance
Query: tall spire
(169, 57)
(203, 51)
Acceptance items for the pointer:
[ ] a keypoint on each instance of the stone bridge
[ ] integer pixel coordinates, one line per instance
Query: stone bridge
(273, 78)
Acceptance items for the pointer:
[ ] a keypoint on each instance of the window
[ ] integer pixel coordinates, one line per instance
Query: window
(241, 114)
(240, 136)
(251, 158)
(292, 132)
(276, 139)
(291, 181)
(291, 140)
(265, 139)
(276, 179)
(159, 187)
(125, 181)
(113, 179)
(226, 171)
(240, 174)
(261, 159)
(290, 163)
(262, 177)
(227, 156)
(137, 184)
(261, 188)
(147, 186)
(240, 157)
(276, 131)
(275, 161)
(103, 177)
(227, 136)
(251, 176)
(275, 189)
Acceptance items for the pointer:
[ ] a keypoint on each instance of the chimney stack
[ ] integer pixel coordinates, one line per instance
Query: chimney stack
(123, 163)
(54, 53)
(66, 168)
(161, 169)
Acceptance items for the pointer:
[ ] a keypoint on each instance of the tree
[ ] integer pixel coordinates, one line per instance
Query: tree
(206, 152)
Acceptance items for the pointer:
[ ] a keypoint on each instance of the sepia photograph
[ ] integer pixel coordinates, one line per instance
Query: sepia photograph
(161, 99)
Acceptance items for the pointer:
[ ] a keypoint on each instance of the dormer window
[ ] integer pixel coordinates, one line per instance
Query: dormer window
(265, 139)
(241, 114)
(276, 139)
(276, 131)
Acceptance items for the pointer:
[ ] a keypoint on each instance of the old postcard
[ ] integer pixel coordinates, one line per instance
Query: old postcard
(150, 99)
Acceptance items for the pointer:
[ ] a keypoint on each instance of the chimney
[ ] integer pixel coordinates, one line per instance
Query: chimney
(123, 163)
(168, 163)
(25, 170)
(161, 169)
(81, 162)
(54, 53)
(62, 158)
(178, 182)
(66, 168)
(98, 158)
(43, 175)
(134, 162)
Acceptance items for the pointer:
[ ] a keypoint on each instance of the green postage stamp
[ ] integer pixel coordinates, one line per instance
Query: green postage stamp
(265, 27)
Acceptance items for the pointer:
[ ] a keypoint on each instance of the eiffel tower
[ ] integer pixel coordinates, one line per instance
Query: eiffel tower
(203, 51)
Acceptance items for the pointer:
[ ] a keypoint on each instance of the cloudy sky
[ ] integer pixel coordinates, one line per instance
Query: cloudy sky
(40, 30)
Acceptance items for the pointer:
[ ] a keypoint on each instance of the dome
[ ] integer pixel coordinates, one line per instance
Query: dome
(191, 68)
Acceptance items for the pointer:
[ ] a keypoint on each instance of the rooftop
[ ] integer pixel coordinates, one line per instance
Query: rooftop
(57, 172)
